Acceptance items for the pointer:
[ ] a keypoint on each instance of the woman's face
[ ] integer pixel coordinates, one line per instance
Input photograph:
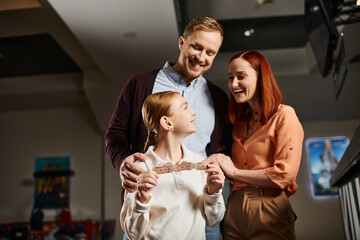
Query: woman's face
(242, 81)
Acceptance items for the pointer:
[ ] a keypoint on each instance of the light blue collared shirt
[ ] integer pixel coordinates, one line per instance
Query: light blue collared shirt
(198, 96)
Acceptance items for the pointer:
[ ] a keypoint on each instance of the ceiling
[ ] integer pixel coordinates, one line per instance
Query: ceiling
(33, 55)
(98, 45)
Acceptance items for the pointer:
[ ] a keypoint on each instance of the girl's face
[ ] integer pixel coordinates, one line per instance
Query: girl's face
(242, 81)
(183, 118)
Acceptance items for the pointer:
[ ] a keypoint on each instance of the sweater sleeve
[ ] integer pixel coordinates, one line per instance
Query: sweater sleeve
(221, 136)
(116, 140)
(126, 133)
(214, 208)
(135, 217)
(287, 156)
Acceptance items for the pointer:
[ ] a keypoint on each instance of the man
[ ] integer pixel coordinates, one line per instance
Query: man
(126, 134)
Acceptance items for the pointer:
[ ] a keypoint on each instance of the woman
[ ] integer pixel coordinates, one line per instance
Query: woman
(266, 153)
(173, 201)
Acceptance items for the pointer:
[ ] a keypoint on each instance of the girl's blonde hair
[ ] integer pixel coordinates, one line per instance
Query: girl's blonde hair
(154, 107)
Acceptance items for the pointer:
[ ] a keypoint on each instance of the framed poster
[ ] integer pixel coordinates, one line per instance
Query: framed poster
(323, 156)
(52, 185)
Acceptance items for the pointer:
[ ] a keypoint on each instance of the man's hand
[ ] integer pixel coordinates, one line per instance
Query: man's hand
(129, 171)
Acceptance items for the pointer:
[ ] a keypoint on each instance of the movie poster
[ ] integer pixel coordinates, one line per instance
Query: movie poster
(52, 189)
(323, 157)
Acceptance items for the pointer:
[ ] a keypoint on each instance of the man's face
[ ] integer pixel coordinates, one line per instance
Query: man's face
(197, 54)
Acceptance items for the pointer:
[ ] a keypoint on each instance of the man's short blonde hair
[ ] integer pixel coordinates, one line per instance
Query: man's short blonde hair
(202, 23)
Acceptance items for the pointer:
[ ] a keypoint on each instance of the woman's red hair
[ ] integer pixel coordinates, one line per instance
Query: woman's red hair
(270, 94)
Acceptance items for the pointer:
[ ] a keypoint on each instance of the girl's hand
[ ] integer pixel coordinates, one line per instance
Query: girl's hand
(215, 179)
(146, 182)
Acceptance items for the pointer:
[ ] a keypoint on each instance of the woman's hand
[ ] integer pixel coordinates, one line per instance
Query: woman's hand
(145, 183)
(255, 177)
(226, 164)
(215, 179)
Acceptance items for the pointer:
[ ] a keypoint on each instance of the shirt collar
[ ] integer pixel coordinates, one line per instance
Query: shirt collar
(176, 78)
(160, 162)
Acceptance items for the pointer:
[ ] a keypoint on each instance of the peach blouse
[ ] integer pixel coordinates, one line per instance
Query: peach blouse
(275, 147)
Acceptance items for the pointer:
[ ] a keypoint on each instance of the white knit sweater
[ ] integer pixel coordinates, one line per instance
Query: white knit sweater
(179, 207)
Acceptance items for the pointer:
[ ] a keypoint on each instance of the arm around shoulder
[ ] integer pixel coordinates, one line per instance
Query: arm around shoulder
(126, 132)
(116, 140)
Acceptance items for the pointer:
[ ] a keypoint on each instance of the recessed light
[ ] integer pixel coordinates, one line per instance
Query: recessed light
(129, 34)
(249, 32)
(315, 9)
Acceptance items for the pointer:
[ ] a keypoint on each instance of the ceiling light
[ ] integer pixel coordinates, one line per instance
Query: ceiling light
(249, 32)
(129, 34)
(315, 9)
(262, 2)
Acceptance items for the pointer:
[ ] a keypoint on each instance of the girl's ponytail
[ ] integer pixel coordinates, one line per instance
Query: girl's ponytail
(150, 140)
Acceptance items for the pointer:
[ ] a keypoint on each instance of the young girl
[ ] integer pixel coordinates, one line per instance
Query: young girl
(170, 202)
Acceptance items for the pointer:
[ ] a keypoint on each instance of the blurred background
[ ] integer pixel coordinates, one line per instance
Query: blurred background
(63, 65)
